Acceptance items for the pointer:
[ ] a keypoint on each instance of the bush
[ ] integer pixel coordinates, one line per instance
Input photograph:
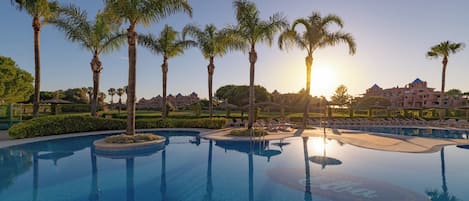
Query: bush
(54, 125)
(128, 139)
(247, 132)
(69, 108)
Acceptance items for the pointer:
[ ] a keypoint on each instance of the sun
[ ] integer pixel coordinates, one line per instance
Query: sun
(323, 81)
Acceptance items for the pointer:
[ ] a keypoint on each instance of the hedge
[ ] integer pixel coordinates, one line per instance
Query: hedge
(62, 124)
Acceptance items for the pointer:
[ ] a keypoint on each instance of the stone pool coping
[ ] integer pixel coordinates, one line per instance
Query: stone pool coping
(13, 142)
(102, 145)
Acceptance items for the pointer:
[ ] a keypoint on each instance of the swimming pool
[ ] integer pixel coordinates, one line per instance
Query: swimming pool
(417, 131)
(190, 168)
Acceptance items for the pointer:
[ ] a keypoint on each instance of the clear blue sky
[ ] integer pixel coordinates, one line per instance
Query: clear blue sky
(392, 38)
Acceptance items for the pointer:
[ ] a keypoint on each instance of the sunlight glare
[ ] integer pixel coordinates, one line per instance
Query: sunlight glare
(324, 81)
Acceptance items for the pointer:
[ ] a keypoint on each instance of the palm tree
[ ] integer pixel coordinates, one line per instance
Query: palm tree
(168, 45)
(120, 92)
(40, 10)
(97, 36)
(211, 43)
(140, 12)
(90, 92)
(251, 30)
(101, 98)
(315, 36)
(111, 92)
(444, 49)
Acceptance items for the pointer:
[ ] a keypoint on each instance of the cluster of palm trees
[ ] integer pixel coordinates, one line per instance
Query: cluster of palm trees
(119, 92)
(103, 35)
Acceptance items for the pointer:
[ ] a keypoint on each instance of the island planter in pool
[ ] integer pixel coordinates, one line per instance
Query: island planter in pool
(124, 150)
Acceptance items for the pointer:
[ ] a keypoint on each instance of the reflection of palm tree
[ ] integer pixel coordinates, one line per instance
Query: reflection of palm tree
(251, 176)
(163, 175)
(94, 193)
(436, 195)
(307, 196)
(35, 175)
(129, 163)
(443, 170)
(209, 188)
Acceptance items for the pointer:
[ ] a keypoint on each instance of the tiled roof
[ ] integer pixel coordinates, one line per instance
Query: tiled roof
(416, 81)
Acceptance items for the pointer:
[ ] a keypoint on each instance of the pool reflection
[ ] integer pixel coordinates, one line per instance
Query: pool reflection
(259, 155)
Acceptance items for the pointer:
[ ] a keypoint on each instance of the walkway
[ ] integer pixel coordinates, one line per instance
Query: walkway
(393, 143)
(4, 135)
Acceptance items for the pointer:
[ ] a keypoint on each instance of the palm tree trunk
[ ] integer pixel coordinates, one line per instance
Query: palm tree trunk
(309, 63)
(119, 107)
(37, 65)
(252, 60)
(96, 67)
(132, 41)
(211, 70)
(164, 68)
(442, 93)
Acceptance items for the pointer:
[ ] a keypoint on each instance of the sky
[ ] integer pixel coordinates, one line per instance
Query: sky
(392, 38)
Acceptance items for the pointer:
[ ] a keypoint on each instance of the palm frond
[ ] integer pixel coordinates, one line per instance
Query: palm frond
(113, 42)
(332, 19)
(444, 49)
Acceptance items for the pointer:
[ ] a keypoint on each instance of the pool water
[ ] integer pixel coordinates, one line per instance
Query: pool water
(193, 169)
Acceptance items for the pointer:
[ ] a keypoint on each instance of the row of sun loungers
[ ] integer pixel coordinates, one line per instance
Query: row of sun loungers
(354, 122)
(280, 125)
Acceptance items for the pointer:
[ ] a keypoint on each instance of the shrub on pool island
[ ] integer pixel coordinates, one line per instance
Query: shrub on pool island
(62, 124)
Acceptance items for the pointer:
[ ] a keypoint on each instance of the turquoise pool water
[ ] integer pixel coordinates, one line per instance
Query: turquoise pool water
(190, 168)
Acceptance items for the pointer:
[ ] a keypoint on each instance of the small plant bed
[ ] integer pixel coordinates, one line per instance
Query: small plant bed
(129, 139)
(118, 145)
(248, 132)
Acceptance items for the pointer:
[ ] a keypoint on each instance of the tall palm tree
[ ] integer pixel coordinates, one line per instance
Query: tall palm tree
(168, 45)
(316, 35)
(444, 49)
(97, 36)
(111, 92)
(90, 92)
(251, 29)
(101, 98)
(41, 11)
(140, 12)
(211, 43)
(119, 93)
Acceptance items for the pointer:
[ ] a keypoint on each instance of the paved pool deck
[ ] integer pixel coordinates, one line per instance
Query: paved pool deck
(375, 141)
(4, 135)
